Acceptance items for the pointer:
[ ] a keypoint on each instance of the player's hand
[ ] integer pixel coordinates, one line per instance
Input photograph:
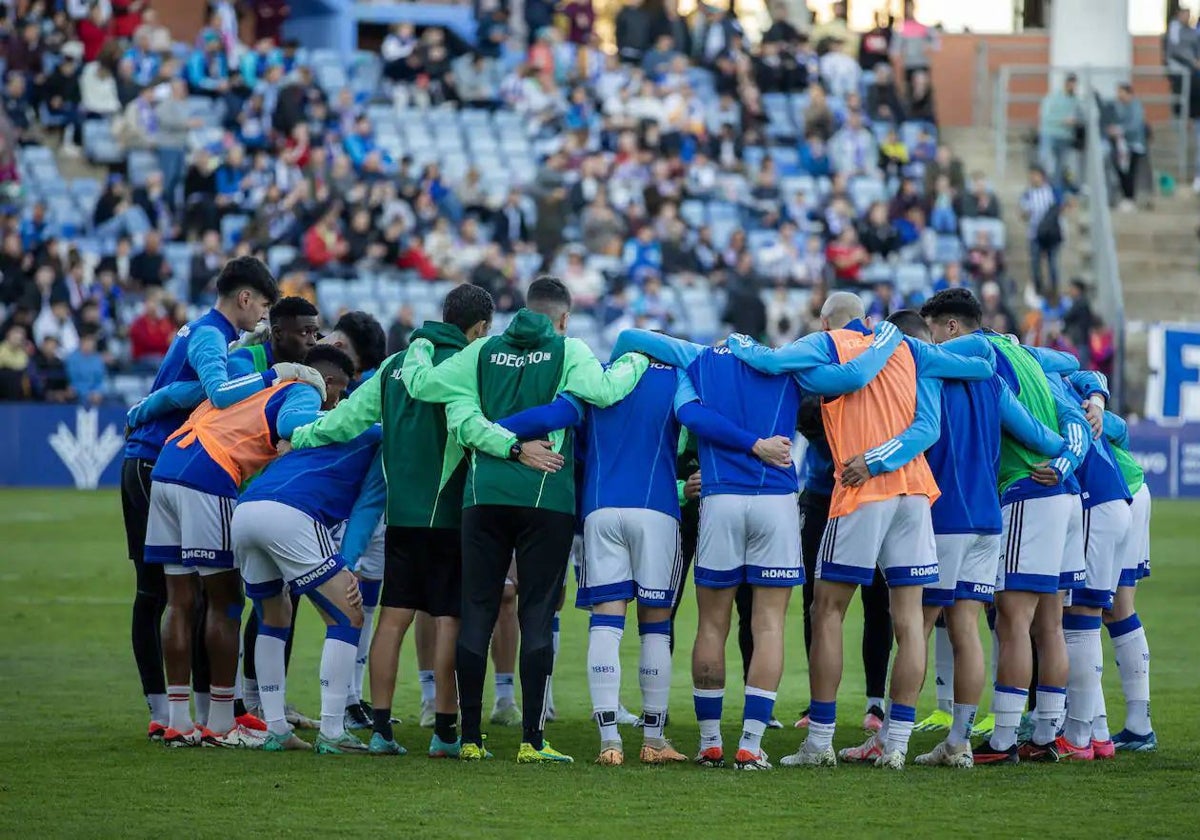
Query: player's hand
(691, 487)
(353, 593)
(290, 372)
(284, 446)
(539, 455)
(738, 339)
(1095, 417)
(774, 451)
(855, 472)
(1044, 475)
(261, 334)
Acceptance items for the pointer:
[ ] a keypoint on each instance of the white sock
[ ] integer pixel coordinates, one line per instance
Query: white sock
(179, 716)
(822, 717)
(1086, 660)
(995, 654)
(554, 647)
(943, 669)
(708, 703)
(250, 688)
(1008, 703)
(202, 700)
(360, 659)
(1133, 663)
(1048, 716)
(160, 709)
(877, 702)
(654, 677)
(1100, 722)
(504, 688)
(604, 671)
(220, 710)
(964, 722)
(899, 727)
(337, 664)
(757, 712)
(428, 686)
(268, 664)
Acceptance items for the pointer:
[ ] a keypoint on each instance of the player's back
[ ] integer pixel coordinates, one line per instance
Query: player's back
(322, 481)
(966, 458)
(765, 406)
(146, 441)
(630, 448)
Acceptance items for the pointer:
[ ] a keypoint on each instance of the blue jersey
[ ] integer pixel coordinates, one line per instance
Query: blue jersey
(629, 449)
(289, 408)
(965, 460)
(816, 470)
(323, 481)
(1100, 477)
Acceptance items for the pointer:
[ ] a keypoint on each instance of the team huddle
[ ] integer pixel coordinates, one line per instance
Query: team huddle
(949, 467)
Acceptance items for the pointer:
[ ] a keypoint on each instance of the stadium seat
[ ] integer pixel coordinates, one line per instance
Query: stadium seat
(992, 228)
(912, 278)
(948, 249)
(866, 191)
(231, 230)
(141, 163)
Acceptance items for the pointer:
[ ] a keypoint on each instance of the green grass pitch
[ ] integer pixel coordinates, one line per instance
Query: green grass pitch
(74, 760)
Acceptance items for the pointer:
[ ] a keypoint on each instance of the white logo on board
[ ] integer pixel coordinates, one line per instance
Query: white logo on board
(87, 451)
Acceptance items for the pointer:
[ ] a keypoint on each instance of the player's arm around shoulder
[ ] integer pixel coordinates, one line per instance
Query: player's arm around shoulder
(301, 405)
(670, 351)
(466, 424)
(587, 379)
(921, 434)
(177, 396)
(349, 418)
(1017, 421)
(831, 379)
(453, 379)
(208, 355)
(972, 360)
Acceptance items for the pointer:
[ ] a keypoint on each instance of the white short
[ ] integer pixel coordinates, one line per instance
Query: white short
(278, 544)
(749, 539)
(630, 553)
(966, 569)
(1135, 551)
(1034, 551)
(187, 531)
(370, 564)
(1105, 530)
(894, 534)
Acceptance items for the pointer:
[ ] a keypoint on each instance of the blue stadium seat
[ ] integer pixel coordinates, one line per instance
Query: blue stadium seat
(912, 278)
(865, 191)
(992, 228)
(231, 230)
(693, 213)
(948, 249)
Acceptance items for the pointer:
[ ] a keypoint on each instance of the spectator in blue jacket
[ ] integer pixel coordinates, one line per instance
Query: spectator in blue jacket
(814, 157)
(86, 371)
(367, 157)
(642, 254)
(208, 68)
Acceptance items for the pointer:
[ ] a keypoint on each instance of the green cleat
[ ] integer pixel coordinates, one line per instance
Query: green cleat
(382, 746)
(1025, 730)
(939, 721)
(285, 743)
(506, 714)
(441, 749)
(472, 752)
(344, 744)
(546, 755)
(983, 728)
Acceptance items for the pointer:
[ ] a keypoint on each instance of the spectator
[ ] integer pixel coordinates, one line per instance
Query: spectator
(137, 127)
(920, 105)
(63, 99)
(1040, 208)
(399, 333)
(151, 332)
(200, 192)
(1078, 319)
(847, 256)
(269, 17)
(942, 211)
(818, 116)
(1129, 139)
(208, 72)
(204, 268)
(18, 109)
(119, 264)
(98, 91)
(783, 325)
(50, 372)
(878, 235)
(951, 277)
(836, 28)
(1101, 347)
(174, 123)
(585, 283)
(1060, 123)
(14, 364)
(913, 44)
(55, 322)
(852, 149)
(883, 100)
(127, 86)
(980, 201)
(478, 80)
(839, 71)
(945, 163)
(94, 31)
(150, 267)
(86, 371)
(324, 246)
(893, 155)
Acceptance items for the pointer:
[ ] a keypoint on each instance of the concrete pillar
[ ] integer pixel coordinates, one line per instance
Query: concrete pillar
(1095, 34)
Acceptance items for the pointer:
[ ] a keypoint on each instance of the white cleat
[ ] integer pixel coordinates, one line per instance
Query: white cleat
(945, 755)
(893, 760)
(808, 756)
(626, 717)
(868, 752)
(237, 738)
(298, 719)
(428, 714)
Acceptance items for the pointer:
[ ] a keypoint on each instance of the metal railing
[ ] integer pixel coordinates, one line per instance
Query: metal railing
(1004, 98)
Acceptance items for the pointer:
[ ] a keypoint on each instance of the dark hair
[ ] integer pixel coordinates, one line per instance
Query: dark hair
(910, 323)
(366, 334)
(467, 305)
(247, 273)
(331, 355)
(292, 307)
(954, 303)
(547, 292)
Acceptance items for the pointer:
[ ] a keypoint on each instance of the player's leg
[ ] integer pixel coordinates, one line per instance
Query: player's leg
(403, 548)
(370, 583)
(689, 536)
(443, 601)
(223, 590)
(940, 718)
(487, 546)
(425, 638)
(150, 598)
(338, 599)
(505, 711)
(876, 648)
(1132, 654)
(814, 515)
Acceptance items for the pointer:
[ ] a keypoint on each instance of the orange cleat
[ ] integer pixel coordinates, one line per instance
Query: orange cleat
(1069, 752)
(664, 754)
(155, 731)
(251, 722)
(711, 757)
(1102, 750)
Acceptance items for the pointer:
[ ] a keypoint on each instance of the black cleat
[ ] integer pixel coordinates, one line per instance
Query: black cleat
(985, 753)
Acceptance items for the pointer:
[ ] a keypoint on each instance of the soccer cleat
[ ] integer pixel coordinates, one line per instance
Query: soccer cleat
(237, 738)
(526, 754)
(379, 745)
(873, 719)
(428, 714)
(985, 753)
(808, 756)
(473, 752)
(252, 722)
(868, 752)
(356, 718)
(946, 755)
(507, 714)
(1069, 752)
(611, 754)
(441, 749)
(1034, 752)
(627, 718)
(893, 760)
(661, 752)
(174, 739)
(983, 728)
(774, 723)
(155, 731)
(711, 757)
(746, 760)
(297, 719)
(1103, 749)
(285, 743)
(939, 721)
(1026, 728)
(344, 744)
(803, 722)
(1126, 741)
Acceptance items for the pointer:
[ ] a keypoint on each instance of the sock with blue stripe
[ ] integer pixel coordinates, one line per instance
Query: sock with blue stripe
(1051, 706)
(822, 719)
(654, 677)
(900, 721)
(964, 722)
(364, 644)
(756, 714)
(604, 671)
(428, 686)
(1086, 660)
(337, 664)
(708, 703)
(272, 687)
(1008, 704)
(505, 688)
(1133, 663)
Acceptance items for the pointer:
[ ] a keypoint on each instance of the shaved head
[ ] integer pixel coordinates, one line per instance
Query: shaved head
(840, 309)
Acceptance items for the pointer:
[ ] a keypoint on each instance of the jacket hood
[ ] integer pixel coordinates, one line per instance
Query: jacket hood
(441, 334)
(530, 329)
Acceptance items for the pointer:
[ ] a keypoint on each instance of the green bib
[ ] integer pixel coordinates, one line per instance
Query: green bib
(258, 353)
(1016, 461)
(1134, 475)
